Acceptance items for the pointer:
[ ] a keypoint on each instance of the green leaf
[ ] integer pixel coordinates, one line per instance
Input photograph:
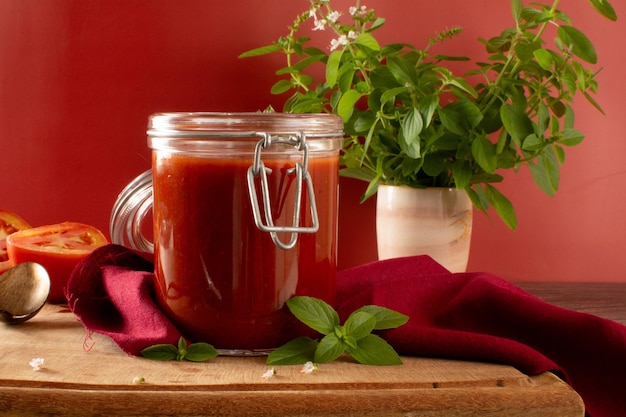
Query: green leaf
(328, 349)
(581, 45)
(543, 118)
(402, 71)
(462, 173)
(367, 40)
(263, 50)
(516, 9)
(314, 312)
(332, 67)
(390, 95)
(460, 117)
(484, 153)
(516, 122)
(533, 143)
(346, 104)
(411, 129)
(544, 59)
(373, 350)
(545, 172)
(526, 52)
(427, 106)
(200, 352)
(296, 352)
(571, 137)
(281, 86)
(377, 23)
(359, 324)
(502, 205)
(605, 9)
(160, 352)
(385, 317)
(477, 198)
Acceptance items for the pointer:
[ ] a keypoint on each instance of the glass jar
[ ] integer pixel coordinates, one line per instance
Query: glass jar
(244, 209)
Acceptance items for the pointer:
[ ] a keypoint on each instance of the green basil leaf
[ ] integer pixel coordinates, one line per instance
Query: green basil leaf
(374, 350)
(516, 9)
(516, 122)
(263, 50)
(544, 59)
(477, 197)
(581, 45)
(427, 106)
(533, 143)
(462, 173)
(280, 87)
(377, 23)
(411, 128)
(359, 324)
(571, 137)
(296, 352)
(160, 352)
(328, 349)
(367, 40)
(315, 313)
(605, 9)
(546, 172)
(484, 153)
(502, 205)
(200, 352)
(390, 94)
(385, 317)
(332, 67)
(460, 117)
(402, 70)
(346, 104)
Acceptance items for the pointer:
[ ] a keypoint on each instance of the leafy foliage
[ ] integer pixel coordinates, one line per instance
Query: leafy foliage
(410, 121)
(354, 337)
(194, 352)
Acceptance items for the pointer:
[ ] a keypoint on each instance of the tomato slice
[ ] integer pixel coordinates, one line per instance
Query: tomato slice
(9, 223)
(58, 247)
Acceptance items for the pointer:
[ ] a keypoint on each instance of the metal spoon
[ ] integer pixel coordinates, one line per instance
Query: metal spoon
(24, 290)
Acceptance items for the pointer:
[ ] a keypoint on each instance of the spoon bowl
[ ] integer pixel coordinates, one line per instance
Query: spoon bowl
(24, 290)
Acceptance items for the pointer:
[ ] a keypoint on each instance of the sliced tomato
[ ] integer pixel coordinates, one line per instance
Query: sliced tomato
(58, 247)
(9, 223)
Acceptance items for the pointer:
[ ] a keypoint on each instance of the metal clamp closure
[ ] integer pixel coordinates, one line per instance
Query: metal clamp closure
(300, 170)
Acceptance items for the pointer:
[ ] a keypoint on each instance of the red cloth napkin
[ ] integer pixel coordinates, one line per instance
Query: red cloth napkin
(470, 316)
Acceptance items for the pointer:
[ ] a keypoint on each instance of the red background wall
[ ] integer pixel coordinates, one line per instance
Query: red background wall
(78, 79)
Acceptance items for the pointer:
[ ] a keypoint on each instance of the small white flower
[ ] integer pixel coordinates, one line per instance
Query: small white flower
(352, 35)
(333, 16)
(37, 363)
(269, 373)
(357, 10)
(308, 367)
(336, 43)
(320, 24)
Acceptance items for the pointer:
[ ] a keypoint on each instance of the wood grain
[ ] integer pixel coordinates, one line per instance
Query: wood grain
(604, 299)
(88, 375)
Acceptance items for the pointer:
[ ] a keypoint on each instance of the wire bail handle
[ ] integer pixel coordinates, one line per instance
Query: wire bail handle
(300, 170)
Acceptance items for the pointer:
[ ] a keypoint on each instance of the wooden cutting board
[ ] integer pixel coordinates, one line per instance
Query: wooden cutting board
(89, 375)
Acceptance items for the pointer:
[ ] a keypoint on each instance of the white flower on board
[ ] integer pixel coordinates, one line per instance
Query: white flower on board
(37, 363)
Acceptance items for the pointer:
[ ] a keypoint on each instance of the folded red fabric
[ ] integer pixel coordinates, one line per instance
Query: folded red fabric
(470, 316)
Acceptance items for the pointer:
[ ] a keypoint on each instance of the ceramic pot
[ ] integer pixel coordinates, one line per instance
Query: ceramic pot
(424, 221)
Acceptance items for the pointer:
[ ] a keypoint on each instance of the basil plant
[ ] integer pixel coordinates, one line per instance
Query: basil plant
(410, 120)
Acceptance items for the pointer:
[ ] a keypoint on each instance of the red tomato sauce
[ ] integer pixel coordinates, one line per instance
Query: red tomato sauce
(219, 278)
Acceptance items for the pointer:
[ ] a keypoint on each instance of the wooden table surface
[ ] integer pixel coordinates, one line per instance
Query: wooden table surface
(86, 375)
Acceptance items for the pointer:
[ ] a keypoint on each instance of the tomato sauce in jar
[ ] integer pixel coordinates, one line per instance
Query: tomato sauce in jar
(219, 277)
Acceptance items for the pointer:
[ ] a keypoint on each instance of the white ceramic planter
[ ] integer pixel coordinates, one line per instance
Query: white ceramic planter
(430, 221)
